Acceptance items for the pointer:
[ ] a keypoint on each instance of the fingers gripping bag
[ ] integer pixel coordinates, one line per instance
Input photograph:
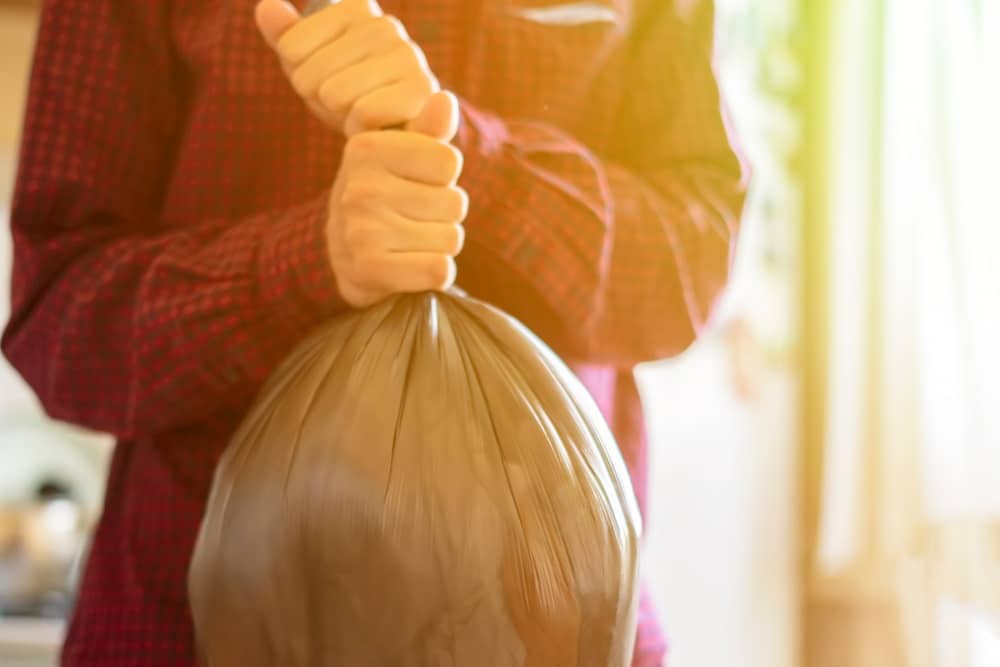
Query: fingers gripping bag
(421, 483)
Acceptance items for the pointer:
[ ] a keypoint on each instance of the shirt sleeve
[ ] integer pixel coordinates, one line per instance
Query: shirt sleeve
(120, 322)
(619, 257)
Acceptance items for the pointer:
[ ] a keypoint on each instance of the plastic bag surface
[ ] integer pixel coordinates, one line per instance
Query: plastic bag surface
(423, 483)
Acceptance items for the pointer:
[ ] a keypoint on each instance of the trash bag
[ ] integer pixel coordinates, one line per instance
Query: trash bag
(422, 483)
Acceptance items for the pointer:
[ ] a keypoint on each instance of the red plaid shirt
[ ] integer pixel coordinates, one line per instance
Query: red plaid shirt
(169, 250)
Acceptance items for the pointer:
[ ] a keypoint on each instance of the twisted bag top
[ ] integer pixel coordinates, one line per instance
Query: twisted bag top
(421, 483)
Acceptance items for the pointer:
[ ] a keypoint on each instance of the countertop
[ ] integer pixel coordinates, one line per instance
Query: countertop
(30, 642)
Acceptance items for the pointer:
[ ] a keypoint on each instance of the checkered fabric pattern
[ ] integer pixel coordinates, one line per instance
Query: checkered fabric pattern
(169, 250)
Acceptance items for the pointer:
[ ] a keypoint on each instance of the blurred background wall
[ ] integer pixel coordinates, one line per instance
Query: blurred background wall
(17, 30)
(826, 460)
(900, 312)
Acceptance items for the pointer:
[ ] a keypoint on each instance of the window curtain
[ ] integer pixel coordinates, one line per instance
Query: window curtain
(902, 319)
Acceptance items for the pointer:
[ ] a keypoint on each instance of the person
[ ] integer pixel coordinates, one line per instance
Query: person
(203, 182)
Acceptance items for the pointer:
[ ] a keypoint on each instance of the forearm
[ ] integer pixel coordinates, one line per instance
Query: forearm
(137, 334)
(674, 241)
(605, 263)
